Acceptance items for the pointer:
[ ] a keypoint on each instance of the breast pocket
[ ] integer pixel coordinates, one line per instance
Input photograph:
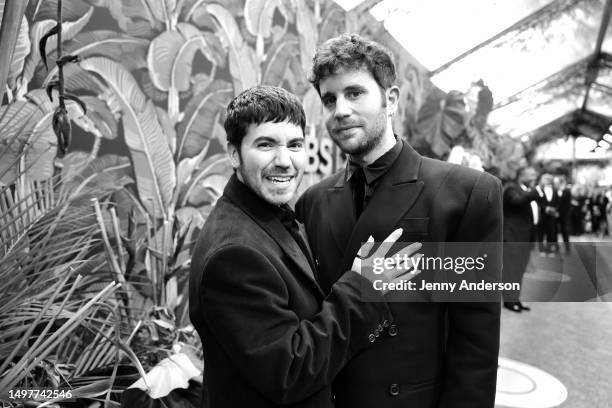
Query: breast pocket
(414, 228)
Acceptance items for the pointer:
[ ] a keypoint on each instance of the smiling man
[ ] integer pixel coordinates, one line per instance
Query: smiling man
(271, 337)
(434, 354)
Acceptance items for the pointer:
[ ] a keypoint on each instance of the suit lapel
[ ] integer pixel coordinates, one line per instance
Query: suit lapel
(262, 214)
(342, 211)
(396, 194)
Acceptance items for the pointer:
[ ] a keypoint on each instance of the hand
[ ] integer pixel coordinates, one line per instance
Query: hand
(402, 262)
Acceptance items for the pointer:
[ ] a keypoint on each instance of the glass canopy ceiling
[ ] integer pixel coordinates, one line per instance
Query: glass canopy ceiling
(542, 59)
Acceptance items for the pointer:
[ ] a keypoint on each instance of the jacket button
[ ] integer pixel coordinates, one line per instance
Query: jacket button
(393, 330)
(386, 323)
(394, 390)
(372, 338)
(317, 263)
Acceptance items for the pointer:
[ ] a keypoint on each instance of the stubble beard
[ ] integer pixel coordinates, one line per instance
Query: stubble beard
(372, 138)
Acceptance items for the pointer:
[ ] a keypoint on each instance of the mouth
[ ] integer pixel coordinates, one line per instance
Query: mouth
(280, 179)
(345, 129)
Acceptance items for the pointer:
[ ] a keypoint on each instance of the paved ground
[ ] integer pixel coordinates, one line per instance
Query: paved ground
(571, 341)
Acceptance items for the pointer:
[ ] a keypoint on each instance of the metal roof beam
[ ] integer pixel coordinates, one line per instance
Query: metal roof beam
(566, 70)
(524, 21)
(593, 67)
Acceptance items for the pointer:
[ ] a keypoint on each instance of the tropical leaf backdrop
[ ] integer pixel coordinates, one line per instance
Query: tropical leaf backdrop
(95, 246)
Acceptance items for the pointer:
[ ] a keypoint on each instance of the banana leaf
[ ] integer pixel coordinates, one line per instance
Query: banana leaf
(197, 128)
(129, 51)
(29, 149)
(39, 10)
(333, 23)
(243, 63)
(258, 16)
(22, 48)
(278, 60)
(69, 30)
(153, 165)
(308, 33)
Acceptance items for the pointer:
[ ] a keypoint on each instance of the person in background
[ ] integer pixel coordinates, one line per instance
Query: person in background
(521, 215)
(564, 206)
(576, 216)
(609, 210)
(549, 202)
(599, 205)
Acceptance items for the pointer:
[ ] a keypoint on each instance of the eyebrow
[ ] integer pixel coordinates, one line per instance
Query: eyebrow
(356, 87)
(275, 140)
(349, 88)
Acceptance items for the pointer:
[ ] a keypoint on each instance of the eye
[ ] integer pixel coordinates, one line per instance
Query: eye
(297, 145)
(354, 94)
(264, 145)
(329, 102)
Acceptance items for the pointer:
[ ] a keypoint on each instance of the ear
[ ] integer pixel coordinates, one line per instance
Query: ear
(392, 94)
(234, 155)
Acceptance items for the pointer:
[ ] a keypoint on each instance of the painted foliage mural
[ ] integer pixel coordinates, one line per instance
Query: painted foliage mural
(112, 154)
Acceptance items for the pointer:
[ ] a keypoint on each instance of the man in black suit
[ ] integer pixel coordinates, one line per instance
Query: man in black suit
(549, 203)
(521, 215)
(564, 207)
(435, 354)
(271, 336)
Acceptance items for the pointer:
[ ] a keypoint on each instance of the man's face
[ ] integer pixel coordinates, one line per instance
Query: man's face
(354, 109)
(559, 182)
(271, 160)
(528, 177)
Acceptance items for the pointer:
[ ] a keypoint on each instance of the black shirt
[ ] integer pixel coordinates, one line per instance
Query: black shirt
(373, 172)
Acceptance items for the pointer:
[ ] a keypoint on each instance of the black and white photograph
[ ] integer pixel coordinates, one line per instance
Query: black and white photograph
(306, 203)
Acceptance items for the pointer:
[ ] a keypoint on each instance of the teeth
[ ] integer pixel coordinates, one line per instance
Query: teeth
(279, 179)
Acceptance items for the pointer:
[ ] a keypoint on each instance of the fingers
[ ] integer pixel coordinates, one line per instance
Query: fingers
(409, 249)
(394, 236)
(403, 274)
(407, 268)
(366, 247)
(385, 246)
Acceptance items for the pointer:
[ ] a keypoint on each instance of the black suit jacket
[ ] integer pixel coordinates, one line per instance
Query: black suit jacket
(435, 354)
(565, 203)
(518, 215)
(270, 336)
(519, 233)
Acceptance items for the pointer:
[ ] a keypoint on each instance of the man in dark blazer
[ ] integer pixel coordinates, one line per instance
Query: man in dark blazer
(549, 204)
(435, 354)
(271, 337)
(521, 214)
(564, 207)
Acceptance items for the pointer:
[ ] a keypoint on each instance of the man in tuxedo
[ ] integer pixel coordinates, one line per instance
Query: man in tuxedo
(434, 354)
(521, 215)
(271, 337)
(564, 207)
(549, 203)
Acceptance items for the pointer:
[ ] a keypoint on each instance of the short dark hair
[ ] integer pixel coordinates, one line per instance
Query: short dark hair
(261, 104)
(351, 51)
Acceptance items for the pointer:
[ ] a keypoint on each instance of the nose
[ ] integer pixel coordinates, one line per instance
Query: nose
(282, 157)
(343, 108)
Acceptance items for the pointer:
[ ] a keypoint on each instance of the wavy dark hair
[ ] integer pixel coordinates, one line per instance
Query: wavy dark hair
(351, 51)
(261, 104)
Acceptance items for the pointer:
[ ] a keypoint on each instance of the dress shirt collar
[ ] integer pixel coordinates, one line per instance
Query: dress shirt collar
(376, 170)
